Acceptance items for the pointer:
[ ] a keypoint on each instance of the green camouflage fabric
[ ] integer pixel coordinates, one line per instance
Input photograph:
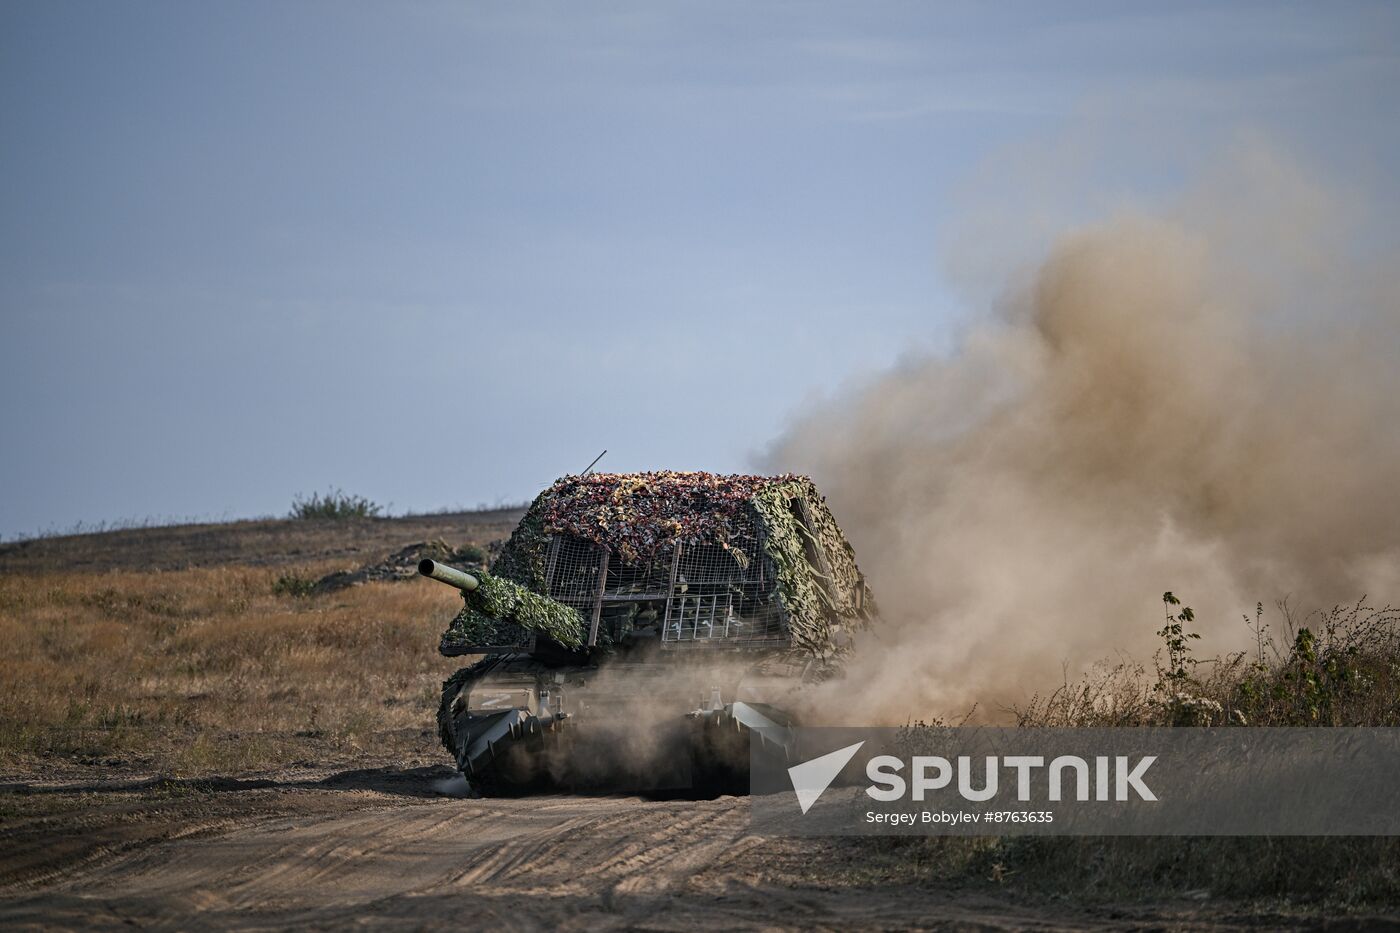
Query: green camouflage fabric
(501, 613)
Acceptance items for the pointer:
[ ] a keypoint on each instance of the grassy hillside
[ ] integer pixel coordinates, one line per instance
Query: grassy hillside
(181, 650)
(263, 542)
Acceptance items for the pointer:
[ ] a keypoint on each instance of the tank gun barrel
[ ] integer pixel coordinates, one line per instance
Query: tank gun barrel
(449, 575)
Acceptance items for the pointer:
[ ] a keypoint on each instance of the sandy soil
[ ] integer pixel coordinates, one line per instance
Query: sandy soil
(386, 848)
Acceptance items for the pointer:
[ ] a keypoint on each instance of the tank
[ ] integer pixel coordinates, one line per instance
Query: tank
(639, 630)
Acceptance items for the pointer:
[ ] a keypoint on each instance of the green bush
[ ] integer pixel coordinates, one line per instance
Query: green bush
(293, 584)
(335, 504)
(471, 554)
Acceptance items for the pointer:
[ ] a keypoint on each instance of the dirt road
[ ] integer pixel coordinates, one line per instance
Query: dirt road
(384, 848)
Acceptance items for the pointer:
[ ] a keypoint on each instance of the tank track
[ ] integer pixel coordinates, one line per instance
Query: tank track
(452, 688)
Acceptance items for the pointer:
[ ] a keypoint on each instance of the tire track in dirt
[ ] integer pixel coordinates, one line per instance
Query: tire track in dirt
(276, 858)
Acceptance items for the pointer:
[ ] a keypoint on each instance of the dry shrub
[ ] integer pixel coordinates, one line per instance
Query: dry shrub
(1335, 667)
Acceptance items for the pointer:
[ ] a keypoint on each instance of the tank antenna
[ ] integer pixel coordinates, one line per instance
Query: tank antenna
(589, 468)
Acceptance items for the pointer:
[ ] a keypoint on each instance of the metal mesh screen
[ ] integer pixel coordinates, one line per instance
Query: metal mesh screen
(573, 572)
(689, 595)
(647, 579)
(724, 595)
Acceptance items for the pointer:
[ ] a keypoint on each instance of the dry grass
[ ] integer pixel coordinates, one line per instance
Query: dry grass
(1337, 667)
(206, 670)
(1334, 667)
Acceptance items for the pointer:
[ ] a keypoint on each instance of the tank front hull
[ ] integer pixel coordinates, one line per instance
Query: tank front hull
(514, 728)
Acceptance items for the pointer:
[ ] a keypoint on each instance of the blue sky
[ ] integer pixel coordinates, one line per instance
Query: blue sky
(439, 253)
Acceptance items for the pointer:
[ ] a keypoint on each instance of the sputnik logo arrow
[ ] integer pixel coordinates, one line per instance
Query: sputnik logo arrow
(811, 778)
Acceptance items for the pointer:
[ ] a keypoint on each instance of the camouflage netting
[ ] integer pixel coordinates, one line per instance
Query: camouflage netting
(501, 613)
(639, 516)
(817, 596)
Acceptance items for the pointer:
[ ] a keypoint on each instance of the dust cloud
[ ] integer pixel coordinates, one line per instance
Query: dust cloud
(1201, 399)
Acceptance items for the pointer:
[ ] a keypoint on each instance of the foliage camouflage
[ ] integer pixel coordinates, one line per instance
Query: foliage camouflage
(524, 555)
(500, 613)
(814, 603)
(641, 515)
